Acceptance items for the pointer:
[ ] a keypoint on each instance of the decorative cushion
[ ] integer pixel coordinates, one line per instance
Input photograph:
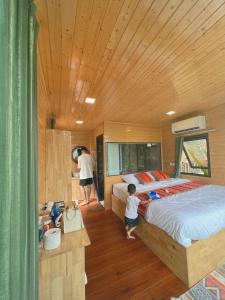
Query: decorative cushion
(130, 178)
(150, 174)
(159, 175)
(144, 178)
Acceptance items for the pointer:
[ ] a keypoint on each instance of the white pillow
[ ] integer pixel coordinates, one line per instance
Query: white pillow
(130, 178)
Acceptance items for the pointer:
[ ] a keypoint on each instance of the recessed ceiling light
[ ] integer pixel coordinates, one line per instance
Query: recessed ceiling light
(90, 100)
(79, 122)
(170, 112)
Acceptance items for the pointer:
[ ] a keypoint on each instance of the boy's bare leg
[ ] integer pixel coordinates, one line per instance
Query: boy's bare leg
(85, 196)
(127, 227)
(88, 193)
(129, 235)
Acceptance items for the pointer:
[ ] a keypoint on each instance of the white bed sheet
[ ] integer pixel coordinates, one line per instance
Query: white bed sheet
(191, 215)
(120, 189)
(187, 216)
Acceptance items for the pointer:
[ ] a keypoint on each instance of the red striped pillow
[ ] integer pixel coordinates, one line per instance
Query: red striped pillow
(159, 175)
(144, 178)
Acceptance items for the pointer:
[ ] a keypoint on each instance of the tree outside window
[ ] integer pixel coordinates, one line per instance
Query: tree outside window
(195, 156)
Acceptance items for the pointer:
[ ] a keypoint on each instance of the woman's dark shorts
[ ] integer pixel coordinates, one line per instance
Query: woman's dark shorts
(87, 181)
(131, 222)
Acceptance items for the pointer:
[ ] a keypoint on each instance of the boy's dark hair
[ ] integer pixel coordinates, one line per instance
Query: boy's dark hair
(79, 151)
(84, 149)
(131, 188)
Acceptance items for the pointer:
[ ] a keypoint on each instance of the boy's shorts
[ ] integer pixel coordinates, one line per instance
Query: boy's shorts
(87, 181)
(131, 222)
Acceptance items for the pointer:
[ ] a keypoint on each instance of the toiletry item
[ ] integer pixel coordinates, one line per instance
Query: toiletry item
(59, 204)
(56, 216)
(47, 224)
(49, 206)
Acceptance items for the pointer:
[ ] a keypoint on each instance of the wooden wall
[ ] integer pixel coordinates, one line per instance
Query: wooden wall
(41, 165)
(215, 119)
(119, 132)
(83, 138)
(168, 150)
(58, 165)
(43, 104)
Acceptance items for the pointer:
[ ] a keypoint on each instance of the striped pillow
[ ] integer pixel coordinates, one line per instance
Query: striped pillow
(144, 178)
(159, 175)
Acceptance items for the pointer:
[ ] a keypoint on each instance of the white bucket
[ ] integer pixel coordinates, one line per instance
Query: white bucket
(52, 238)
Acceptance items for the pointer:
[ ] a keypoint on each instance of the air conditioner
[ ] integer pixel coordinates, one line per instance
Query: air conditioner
(192, 124)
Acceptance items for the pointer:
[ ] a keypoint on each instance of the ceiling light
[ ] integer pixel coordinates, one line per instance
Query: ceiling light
(79, 122)
(90, 100)
(169, 113)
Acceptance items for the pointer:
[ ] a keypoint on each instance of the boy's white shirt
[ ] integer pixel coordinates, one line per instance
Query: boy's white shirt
(132, 207)
(86, 165)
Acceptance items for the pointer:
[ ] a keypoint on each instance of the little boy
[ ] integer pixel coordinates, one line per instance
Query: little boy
(131, 215)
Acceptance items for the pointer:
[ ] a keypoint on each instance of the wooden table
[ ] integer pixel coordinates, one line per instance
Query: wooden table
(62, 270)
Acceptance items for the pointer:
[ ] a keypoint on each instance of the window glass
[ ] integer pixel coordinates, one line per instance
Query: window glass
(114, 162)
(125, 158)
(195, 156)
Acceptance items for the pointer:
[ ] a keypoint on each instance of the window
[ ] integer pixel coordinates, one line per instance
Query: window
(125, 158)
(195, 156)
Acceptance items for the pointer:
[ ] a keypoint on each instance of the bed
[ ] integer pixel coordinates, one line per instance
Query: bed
(191, 242)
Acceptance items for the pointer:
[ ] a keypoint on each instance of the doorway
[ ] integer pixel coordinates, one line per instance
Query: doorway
(100, 167)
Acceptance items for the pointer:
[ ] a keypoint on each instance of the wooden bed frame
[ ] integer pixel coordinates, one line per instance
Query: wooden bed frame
(190, 264)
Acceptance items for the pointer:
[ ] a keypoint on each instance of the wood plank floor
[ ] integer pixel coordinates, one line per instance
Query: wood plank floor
(118, 268)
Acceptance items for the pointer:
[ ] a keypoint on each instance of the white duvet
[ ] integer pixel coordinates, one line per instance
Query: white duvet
(186, 216)
(191, 215)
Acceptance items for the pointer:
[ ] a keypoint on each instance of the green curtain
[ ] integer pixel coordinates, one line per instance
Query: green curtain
(178, 149)
(18, 151)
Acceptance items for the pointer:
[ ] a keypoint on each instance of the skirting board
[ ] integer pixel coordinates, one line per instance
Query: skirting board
(189, 264)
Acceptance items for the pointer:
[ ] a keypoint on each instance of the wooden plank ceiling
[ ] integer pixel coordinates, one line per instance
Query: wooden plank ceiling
(138, 58)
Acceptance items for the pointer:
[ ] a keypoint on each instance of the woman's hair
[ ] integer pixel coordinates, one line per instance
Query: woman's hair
(131, 188)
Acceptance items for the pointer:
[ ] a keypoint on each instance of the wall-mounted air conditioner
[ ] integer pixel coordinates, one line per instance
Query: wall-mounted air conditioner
(192, 124)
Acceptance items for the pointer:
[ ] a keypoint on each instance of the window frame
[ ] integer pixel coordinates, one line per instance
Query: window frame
(203, 136)
(120, 150)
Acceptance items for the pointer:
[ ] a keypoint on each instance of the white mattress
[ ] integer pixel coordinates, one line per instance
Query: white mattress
(191, 215)
(186, 216)
(120, 189)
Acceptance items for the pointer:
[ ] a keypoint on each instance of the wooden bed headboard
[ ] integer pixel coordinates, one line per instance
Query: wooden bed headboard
(109, 181)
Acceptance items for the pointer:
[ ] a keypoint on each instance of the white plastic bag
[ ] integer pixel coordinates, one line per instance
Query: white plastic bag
(72, 220)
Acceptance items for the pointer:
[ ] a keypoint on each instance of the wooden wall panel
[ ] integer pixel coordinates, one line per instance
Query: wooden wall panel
(215, 119)
(42, 96)
(41, 165)
(83, 138)
(58, 165)
(119, 132)
(168, 150)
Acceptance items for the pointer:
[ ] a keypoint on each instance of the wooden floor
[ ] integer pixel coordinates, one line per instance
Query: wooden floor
(118, 268)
